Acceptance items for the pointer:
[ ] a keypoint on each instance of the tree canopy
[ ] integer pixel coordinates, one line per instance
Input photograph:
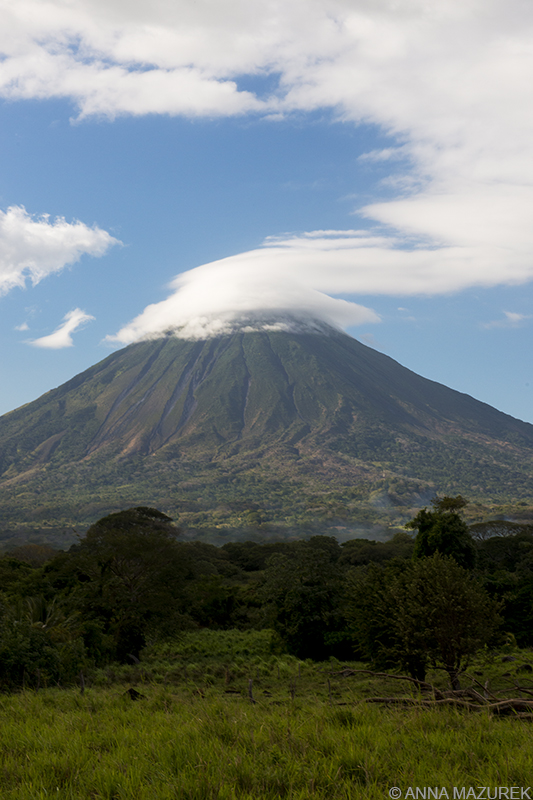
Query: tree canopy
(442, 530)
(132, 571)
(428, 612)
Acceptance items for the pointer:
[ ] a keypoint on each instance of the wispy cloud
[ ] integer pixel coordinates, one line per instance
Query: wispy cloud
(241, 292)
(450, 81)
(386, 154)
(62, 336)
(511, 320)
(301, 274)
(33, 247)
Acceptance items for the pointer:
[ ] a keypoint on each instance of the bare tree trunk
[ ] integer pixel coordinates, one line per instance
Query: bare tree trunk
(453, 673)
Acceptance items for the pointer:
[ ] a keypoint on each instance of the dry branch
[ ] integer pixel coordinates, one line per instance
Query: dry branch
(484, 687)
(345, 673)
(511, 706)
(423, 685)
(516, 707)
(413, 701)
(459, 698)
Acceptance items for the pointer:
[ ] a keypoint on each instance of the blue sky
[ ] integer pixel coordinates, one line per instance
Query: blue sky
(192, 165)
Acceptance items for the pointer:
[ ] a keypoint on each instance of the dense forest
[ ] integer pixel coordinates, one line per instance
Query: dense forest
(433, 595)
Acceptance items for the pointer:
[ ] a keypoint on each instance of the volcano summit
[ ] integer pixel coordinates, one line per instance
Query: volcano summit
(266, 426)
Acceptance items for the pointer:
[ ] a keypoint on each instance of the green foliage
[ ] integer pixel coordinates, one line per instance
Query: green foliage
(505, 564)
(442, 614)
(446, 503)
(358, 552)
(131, 582)
(253, 556)
(36, 555)
(13, 574)
(443, 531)
(39, 644)
(427, 612)
(222, 647)
(132, 572)
(369, 614)
(494, 528)
(303, 592)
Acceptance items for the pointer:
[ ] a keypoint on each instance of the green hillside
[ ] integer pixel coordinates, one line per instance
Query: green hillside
(255, 429)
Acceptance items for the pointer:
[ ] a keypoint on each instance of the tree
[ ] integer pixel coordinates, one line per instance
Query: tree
(370, 619)
(302, 591)
(441, 610)
(505, 563)
(449, 503)
(132, 570)
(429, 612)
(442, 530)
(33, 554)
(39, 642)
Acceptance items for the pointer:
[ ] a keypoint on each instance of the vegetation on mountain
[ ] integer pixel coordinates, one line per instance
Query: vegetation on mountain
(261, 434)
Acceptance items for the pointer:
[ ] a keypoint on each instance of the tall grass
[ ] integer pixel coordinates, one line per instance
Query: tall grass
(56, 743)
(196, 734)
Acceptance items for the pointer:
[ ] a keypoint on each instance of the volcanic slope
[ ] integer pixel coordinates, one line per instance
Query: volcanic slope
(264, 423)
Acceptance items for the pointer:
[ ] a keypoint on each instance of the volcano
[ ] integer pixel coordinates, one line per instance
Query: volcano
(271, 424)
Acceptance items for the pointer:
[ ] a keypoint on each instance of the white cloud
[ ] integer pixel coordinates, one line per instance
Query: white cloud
(299, 274)
(34, 247)
(116, 58)
(387, 154)
(512, 319)
(62, 336)
(240, 293)
(451, 80)
(22, 327)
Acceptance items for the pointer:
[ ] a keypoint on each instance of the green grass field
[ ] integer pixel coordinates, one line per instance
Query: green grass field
(196, 735)
(178, 744)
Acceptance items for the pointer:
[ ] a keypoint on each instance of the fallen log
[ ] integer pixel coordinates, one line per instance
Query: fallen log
(512, 706)
(515, 707)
